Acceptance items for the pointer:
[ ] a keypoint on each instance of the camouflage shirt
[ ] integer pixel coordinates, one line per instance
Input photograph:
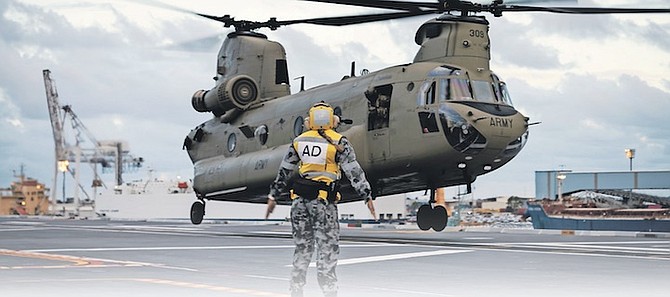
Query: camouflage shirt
(345, 159)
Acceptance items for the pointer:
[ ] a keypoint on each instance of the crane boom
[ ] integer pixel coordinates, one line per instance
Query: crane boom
(105, 153)
(55, 115)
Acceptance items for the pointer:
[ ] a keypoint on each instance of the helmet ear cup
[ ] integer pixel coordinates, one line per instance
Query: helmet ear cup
(336, 121)
(306, 124)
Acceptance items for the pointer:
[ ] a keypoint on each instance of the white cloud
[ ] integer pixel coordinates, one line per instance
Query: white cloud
(598, 84)
(9, 113)
(592, 124)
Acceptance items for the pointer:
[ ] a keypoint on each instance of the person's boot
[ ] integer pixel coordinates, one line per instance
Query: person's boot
(297, 292)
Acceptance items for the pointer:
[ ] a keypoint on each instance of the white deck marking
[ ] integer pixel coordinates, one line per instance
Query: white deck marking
(410, 292)
(179, 248)
(577, 254)
(393, 257)
(599, 247)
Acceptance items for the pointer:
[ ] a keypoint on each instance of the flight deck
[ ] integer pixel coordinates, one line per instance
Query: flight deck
(58, 257)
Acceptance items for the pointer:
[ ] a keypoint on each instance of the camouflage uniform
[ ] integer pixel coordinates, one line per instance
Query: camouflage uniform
(316, 221)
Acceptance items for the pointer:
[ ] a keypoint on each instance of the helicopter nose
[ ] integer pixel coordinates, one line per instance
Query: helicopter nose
(461, 134)
(470, 129)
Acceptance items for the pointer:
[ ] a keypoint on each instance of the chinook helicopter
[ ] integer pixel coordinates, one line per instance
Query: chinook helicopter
(442, 120)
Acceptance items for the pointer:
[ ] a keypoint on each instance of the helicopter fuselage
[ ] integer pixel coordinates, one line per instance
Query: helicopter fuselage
(416, 126)
(442, 120)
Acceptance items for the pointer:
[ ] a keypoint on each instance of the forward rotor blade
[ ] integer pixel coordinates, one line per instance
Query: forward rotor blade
(158, 4)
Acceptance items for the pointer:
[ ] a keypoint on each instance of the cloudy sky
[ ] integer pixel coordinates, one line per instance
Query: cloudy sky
(598, 84)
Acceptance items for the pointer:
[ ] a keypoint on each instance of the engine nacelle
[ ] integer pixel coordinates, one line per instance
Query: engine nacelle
(239, 91)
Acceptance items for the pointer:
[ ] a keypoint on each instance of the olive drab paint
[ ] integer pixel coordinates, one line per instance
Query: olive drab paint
(407, 132)
(440, 121)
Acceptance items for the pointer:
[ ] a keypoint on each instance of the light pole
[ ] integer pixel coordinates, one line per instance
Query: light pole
(630, 153)
(560, 177)
(62, 167)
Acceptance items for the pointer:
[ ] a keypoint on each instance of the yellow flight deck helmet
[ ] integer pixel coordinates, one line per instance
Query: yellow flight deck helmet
(322, 117)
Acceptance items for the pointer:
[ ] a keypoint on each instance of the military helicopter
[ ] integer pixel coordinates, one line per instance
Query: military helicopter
(442, 120)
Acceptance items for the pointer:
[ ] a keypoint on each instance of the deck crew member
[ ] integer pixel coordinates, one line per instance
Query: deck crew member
(320, 155)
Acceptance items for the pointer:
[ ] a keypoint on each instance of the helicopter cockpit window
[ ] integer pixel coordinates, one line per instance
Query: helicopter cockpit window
(500, 89)
(505, 93)
(483, 91)
(298, 126)
(454, 89)
(232, 142)
(430, 94)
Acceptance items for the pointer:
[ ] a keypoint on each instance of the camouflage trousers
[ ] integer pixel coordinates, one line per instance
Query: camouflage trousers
(315, 225)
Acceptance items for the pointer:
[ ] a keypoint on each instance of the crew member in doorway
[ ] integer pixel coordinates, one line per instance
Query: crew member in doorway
(320, 155)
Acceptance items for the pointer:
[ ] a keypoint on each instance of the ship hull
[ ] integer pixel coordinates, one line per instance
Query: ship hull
(158, 199)
(542, 221)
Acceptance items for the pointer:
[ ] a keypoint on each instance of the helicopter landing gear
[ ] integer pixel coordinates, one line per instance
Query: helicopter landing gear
(432, 217)
(197, 212)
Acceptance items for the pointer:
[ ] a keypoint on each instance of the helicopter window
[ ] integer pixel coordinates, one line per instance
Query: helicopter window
(505, 93)
(232, 142)
(281, 72)
(430, 94)
(483, 91)
(298, 126)
(379, 102)
(428, 122)
(261, 134)
(457, 89)
(496, 88)
(433, 30)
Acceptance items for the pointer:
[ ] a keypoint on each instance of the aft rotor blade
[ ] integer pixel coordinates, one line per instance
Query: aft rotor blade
(357, 19)
(582, 10)
(536, 1)
(397, 5)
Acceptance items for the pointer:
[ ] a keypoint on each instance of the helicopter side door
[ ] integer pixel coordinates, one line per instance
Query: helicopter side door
(379, 104)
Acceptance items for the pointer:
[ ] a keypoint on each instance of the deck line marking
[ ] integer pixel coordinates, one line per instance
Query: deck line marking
(590, 248)
(412, 292)
(267, 277)
(78, 261)
(251, 292)
(26, 228)
(175, 248)
(392, 257)
(397, 257)
(574, 254)
(183, 284)
(606, 247)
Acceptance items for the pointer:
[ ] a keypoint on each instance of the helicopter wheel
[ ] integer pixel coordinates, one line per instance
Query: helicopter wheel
(428, 217)
(424, 217)
(197, 212)
(439, 218)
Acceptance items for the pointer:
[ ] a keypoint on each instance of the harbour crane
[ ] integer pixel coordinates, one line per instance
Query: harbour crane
(83, 149)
